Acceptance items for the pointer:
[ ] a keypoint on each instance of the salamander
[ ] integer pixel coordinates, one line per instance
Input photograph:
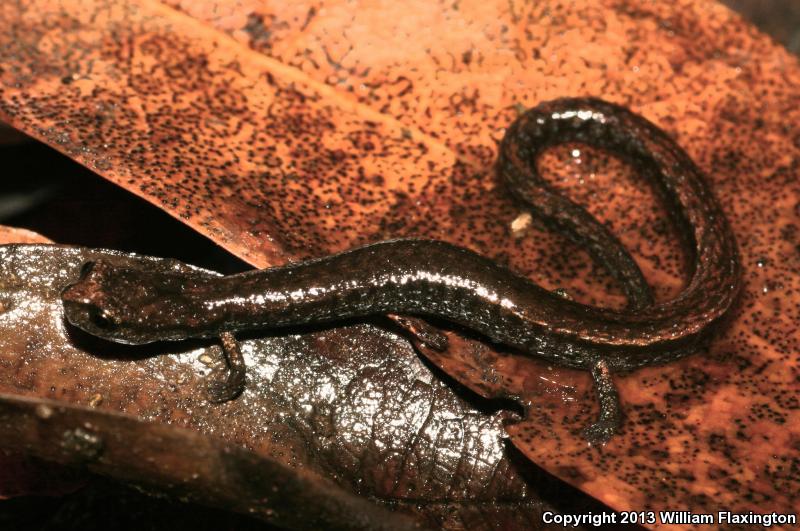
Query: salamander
(431, 278)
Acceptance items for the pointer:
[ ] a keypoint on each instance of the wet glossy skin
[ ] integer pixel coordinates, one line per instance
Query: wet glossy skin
(433, 278)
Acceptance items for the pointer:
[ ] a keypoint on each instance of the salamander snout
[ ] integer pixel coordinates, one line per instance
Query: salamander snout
(127, 304)
(88, 317)
(86, 305)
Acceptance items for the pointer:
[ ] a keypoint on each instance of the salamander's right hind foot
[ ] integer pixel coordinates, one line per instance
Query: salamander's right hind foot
(609, 421)
(422, 334)
(600, 432)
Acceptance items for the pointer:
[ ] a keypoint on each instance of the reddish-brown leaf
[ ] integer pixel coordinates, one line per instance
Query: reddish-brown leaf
(17, 235)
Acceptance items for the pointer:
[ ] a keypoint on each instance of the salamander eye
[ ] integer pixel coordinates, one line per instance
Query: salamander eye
(101, 319)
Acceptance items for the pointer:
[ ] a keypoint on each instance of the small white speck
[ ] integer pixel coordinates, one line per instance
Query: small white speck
(520, 223)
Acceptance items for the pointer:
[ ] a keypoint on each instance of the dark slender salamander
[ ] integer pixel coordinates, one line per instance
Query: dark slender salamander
(434, 278)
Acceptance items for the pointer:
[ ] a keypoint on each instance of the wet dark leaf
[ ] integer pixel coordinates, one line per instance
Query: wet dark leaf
(185, 464)
(351, 405)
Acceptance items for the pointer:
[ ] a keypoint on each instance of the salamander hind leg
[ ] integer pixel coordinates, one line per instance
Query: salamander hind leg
(610, 419)
(422, 334)
(230, 384)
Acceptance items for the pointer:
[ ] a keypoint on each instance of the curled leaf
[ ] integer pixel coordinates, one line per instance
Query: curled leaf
(354, 404)
(185, 464)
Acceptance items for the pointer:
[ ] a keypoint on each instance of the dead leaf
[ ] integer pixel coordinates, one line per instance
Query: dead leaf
(23, 475)
(186, 465)
(18, 235)
(19, 473)
(354, 404)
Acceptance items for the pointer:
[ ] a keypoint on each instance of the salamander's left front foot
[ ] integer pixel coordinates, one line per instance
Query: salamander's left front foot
(227, 386)
(610, 420)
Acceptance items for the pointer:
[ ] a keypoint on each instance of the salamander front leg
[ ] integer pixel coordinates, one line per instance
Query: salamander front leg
(230, 384)
(610, 418)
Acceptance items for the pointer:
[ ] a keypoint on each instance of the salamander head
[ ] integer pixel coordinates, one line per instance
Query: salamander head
(124, 305)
